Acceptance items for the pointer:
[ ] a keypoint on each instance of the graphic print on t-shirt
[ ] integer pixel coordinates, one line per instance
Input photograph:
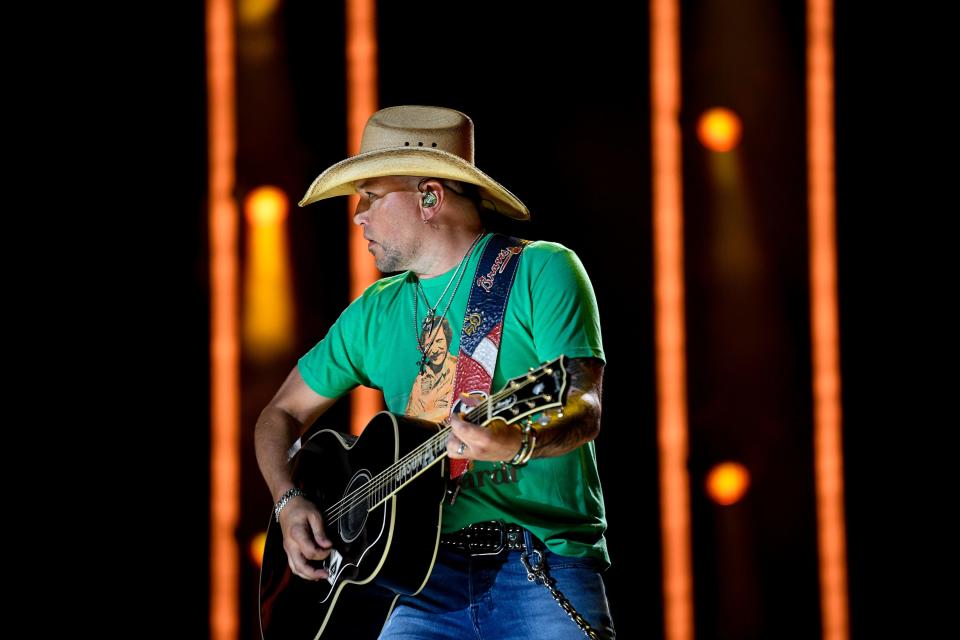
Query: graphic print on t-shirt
(432, 390)
(432, 394)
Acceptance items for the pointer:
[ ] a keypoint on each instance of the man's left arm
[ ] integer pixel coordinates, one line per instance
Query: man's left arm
(580, 422)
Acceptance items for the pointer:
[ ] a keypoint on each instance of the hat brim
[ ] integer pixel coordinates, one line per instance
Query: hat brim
(338, 179)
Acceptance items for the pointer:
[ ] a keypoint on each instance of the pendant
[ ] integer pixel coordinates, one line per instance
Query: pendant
(422, 363)
(428, 323)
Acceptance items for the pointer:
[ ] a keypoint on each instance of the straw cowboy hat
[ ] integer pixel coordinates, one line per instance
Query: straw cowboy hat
(415, 141)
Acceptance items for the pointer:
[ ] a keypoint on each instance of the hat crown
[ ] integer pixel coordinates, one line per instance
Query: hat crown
(419, 127)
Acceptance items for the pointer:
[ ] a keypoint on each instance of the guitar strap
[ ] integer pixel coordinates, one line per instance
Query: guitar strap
(479, 346)
(483, 323)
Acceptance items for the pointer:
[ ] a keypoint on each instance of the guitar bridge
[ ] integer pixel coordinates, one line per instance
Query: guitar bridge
(331, 565)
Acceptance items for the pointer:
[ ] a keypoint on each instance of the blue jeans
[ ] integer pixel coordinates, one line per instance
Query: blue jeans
(489, 597)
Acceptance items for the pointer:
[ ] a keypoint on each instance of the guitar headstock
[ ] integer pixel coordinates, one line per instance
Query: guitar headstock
(543, 390)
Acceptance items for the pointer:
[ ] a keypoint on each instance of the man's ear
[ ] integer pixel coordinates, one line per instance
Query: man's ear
(432, 197)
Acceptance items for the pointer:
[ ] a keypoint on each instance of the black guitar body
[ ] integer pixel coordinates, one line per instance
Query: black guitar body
(381, 550)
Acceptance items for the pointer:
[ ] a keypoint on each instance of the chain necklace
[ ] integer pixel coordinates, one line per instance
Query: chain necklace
(432, 311)
(431, 321)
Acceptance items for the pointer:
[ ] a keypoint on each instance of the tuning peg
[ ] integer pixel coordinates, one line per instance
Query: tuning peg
(530, 404)
(514, 410)
(548, 371)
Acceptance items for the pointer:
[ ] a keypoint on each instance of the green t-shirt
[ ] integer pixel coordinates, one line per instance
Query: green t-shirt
(551, 311)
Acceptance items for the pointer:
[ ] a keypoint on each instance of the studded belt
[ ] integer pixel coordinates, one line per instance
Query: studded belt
(485, 538)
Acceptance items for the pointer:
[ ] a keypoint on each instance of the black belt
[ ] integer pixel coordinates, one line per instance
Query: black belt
(485, 538)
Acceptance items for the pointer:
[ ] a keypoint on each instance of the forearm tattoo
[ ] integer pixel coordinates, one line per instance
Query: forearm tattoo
(581, 413)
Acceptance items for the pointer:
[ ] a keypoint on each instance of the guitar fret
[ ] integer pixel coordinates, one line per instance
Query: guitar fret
(507, 401)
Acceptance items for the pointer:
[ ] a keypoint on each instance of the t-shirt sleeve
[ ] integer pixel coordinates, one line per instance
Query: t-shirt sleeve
(334, 365)
(565, 316)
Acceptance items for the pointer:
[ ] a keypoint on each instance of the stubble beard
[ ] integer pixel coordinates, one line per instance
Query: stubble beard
(394, 259)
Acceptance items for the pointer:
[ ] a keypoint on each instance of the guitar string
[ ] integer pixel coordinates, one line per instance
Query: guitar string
(388, 475)
(386, 483)
(385, 477)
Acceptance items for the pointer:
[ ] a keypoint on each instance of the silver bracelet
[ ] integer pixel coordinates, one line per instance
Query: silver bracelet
(287, 496)
(528, 440)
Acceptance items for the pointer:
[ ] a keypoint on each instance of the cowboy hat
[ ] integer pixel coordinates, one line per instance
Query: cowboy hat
(415, 141)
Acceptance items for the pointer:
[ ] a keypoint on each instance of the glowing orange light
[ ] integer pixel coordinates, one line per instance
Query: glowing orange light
(255, 548)
(253, 12)
(266, 205)
(727, 482)
(268, 310)
(224, 331)
(824, 323)
(672, 422)
(719, 129)
(361, 56)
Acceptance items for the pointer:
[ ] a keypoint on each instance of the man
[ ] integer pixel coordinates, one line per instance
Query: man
(420, 198)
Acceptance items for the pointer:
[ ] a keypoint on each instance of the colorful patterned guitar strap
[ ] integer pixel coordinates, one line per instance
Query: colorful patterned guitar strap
(483, 325)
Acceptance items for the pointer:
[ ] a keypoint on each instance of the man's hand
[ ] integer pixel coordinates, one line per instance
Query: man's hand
(304, 538)
(498, 441)
(495, 442)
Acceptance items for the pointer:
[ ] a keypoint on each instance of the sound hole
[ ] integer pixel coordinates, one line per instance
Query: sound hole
(355, 517)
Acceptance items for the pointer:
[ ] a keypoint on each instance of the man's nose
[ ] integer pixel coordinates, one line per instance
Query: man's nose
(360, 214)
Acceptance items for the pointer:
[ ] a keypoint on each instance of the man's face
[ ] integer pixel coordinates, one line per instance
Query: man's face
(388, 211)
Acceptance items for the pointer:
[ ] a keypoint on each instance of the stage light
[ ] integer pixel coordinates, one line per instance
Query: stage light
(727, 482)
(268, 308)
(719, 129)
(266, 205)
(255, 548)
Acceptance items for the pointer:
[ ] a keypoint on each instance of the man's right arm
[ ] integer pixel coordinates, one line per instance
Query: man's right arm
(294, 407)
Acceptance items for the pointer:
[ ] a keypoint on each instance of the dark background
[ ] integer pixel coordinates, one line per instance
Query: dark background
(561, 108)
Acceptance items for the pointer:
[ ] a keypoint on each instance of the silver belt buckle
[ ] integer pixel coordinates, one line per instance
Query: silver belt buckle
(499, 545)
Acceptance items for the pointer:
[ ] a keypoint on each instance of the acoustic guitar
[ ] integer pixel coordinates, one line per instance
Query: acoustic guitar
(381, 496)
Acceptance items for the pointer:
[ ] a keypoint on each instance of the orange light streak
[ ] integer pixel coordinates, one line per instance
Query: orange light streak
(361, 42)
(224, 334)
(824, 323)
(669, 319)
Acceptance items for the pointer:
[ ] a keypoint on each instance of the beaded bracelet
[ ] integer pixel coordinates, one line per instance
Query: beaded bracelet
(287, 496)
(528, 440)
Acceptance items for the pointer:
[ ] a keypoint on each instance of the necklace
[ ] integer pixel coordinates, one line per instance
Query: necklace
(432, 311)
(428, 328)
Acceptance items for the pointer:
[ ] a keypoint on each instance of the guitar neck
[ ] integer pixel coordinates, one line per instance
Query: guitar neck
(395, 477)
(519, 399)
